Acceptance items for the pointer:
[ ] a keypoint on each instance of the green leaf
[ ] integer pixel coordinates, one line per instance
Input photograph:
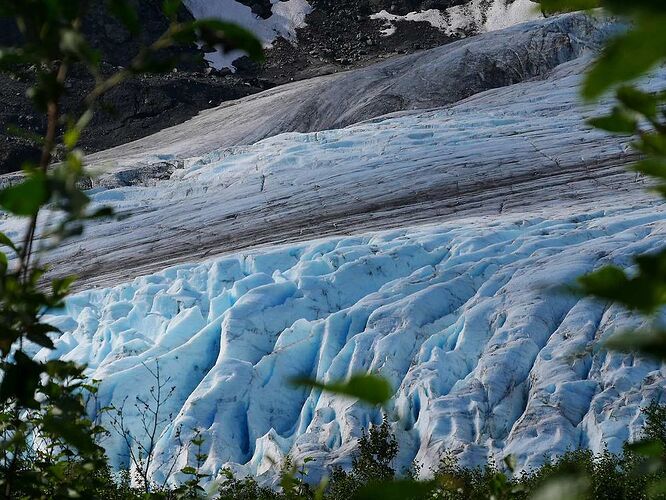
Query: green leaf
(71, 137)
(652, 144)
(657, 489)
(101, 213)
(653, 167)
(511, 462)
(651, 343)
(569, 487)
(634, 6)
(12, 58)
(639, 101)
(395, 490)
(619, 121)
(37, 333)
(628, 56)
(553, 6)
(220, 34)
(170, 8)
(73, 44)
(26, 198)
(21, 379)
(646, 292)
(125, 13)
(647, 448)
(4, 240)
(368, 388)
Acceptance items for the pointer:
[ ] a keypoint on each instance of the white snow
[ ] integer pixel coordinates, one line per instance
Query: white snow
(434, 17)
(287, 17)
(475, 16)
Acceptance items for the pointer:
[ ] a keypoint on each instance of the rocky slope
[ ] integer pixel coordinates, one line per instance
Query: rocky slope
(304, 40)
(133, 110)
(343, 34)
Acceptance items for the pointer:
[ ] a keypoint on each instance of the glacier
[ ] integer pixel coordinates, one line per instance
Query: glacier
(487, 358)
(426, 245)
(514, 149)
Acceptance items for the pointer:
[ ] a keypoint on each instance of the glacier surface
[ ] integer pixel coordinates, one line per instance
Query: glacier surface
(524, 147)
(422, 245)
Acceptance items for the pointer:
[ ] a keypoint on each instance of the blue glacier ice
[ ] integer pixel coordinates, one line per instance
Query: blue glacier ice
(487, 357)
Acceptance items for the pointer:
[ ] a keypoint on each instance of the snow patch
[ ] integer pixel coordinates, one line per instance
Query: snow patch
(434, 17)
(287, 17)
(473, 17)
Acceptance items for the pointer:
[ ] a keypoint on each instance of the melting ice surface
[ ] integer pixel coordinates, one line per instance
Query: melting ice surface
(485, 357)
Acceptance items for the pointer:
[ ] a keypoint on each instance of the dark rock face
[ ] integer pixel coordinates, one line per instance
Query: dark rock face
(111, 38)
(119, 47)
(133, 110)
(262, 8)
(340, 35)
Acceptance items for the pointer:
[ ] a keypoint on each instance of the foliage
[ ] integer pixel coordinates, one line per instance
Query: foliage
(371, 465)
(368, 388)
(191, 488)
(141, 449)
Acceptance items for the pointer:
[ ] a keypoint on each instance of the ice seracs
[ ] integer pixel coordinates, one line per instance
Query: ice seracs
(485, 355)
